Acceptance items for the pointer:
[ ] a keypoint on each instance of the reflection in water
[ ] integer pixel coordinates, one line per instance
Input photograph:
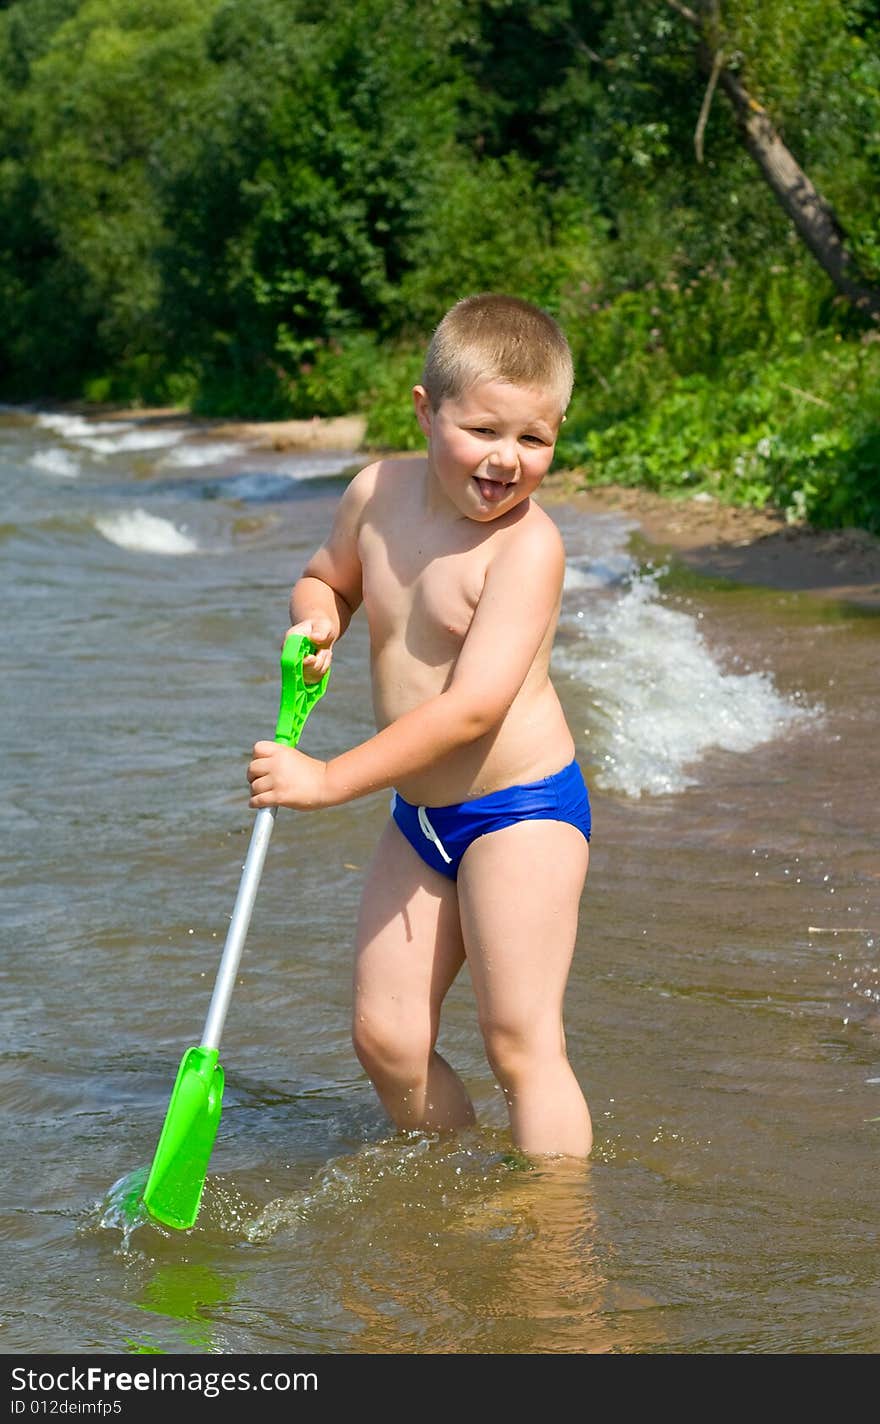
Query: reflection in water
(182, 1289)
(445, 1247)
(185, 1291)
(552, 1290)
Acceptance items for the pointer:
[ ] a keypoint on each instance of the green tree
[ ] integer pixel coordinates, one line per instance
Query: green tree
(829, 49)
(97, 133)
(38, 291)
(309, 168)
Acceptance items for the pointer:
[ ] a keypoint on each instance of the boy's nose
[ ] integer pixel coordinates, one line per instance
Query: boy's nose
(504, 456)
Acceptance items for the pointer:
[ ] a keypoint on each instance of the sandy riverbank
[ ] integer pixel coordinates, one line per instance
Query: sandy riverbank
(747, 545)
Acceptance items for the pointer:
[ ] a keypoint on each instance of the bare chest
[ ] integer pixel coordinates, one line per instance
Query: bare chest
(420, 592)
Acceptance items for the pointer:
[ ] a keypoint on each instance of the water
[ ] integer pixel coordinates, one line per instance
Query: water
(723, 1009)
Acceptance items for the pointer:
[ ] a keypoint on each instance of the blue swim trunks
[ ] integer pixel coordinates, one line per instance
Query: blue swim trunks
(442, 834)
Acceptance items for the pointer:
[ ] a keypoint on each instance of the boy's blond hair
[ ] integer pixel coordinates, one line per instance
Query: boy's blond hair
(492, 337)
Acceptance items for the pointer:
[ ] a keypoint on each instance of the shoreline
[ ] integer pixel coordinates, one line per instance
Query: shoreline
(751, 546)
(758, 547)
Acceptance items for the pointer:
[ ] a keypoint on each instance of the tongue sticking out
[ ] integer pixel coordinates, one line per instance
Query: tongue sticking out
(492, 490)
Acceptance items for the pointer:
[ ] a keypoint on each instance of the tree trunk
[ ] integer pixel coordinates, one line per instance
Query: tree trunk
(812, 216)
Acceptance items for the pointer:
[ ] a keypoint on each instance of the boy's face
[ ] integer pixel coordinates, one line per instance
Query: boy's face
(490, 448)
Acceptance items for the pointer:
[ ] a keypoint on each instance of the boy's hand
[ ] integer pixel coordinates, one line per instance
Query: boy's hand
(320, 630)
(282, 776)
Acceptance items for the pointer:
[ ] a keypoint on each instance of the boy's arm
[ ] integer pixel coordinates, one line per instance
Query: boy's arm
(517, 604)
(329, 589)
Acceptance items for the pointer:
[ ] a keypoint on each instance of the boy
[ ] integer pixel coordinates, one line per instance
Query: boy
(486, 852)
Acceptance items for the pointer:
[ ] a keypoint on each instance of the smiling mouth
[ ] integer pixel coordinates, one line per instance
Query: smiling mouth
(492, 490)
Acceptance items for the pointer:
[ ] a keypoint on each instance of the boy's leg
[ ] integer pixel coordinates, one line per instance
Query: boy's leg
(519, 893)
(409, 950)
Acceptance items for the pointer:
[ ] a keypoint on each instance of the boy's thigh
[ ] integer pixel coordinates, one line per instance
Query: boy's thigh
(519, 892)
(409, 944)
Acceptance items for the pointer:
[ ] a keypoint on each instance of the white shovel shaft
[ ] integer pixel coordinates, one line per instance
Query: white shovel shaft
(238, 926)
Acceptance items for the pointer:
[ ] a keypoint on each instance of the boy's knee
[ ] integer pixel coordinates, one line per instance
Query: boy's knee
(385, 1045)
(513, 1050)
(506, 1047)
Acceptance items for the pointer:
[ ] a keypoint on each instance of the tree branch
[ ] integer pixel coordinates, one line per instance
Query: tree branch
(717, 66)
(686, 14)
(813, 216)
(582, 47)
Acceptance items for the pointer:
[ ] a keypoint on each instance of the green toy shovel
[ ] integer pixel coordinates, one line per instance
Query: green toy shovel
(177, 1176)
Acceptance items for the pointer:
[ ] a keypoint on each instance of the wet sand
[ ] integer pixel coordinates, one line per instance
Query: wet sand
(750, 546)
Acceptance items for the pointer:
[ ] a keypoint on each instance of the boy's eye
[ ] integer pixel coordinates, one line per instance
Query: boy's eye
(487, 430)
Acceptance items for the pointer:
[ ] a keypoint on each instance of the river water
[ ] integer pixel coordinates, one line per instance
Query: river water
(723, 1009)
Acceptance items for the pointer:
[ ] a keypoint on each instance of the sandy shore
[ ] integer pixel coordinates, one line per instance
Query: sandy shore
(342, 432)
(747, 545)
(750, 546)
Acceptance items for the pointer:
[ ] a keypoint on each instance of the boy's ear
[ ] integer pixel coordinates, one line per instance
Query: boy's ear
(423, 409)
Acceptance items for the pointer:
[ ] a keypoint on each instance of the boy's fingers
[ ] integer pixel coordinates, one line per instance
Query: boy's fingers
(319, 630)
(300, 630)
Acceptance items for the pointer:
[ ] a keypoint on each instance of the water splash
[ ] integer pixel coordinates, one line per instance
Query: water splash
(224, 1214)
(123, 1209)
(422, 1165)
(660, 698)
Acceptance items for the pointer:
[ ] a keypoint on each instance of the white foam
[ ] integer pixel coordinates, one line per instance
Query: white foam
(75, 427)
(56, 461)
(145, 533)
(597, 572)
(207, 453)
(310, 467)
(660, 699)
(130, 441)
(109, 437)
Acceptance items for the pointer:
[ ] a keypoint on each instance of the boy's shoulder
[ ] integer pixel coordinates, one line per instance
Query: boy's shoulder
(372, 481)
(534, 531)
(388, 469)
(526, 547)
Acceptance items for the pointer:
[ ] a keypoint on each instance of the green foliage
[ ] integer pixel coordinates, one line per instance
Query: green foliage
(263, 209)
(799, 429)
(292, 213)
(543, 246)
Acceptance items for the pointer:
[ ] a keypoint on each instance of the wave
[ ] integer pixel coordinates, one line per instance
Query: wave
(130, 441)
(211, 452)
(109, 437)
(659, 698)
(75, 427)
(56, 461)
(145, 533)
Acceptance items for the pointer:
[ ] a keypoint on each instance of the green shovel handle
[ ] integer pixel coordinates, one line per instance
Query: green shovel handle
(297, 696)
(180, 1165)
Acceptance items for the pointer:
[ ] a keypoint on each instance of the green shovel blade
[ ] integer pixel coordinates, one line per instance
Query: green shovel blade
(177, 1176)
